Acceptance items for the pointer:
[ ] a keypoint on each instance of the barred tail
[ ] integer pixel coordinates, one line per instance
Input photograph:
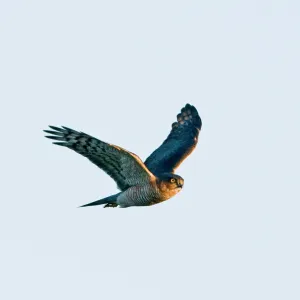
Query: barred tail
(110, 201)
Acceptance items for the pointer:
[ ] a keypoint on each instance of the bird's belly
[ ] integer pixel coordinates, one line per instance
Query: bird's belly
(167, 194)
(139, 196)
(144, 196)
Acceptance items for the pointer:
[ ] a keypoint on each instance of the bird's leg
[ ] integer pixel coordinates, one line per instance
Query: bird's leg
(111, 205)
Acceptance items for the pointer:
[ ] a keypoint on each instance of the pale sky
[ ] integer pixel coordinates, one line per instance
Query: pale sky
(121, 71)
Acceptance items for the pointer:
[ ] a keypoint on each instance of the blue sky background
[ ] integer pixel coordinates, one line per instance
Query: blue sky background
(121, 71)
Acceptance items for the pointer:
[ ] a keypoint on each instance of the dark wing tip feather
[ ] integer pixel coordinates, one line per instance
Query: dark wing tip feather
(59, 134)
(54, 132)
(189, 114)
(69, 129)
(54, 137)
(56, 128)
(60, 143)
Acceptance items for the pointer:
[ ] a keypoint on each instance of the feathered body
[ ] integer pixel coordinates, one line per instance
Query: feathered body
(141, 184)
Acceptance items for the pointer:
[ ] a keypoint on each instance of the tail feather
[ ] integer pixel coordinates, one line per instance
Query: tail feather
(108, 200)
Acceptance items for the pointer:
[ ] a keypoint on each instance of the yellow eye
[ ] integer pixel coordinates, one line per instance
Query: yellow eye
(172, 180)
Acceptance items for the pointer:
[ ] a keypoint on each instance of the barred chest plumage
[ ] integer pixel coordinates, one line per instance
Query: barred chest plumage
(141, 195)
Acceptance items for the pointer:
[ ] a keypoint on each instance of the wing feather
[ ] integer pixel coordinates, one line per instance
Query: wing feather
(179, 144)
(124, 167)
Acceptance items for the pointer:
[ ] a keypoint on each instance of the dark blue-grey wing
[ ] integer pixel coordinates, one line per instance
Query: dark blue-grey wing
(179, 144)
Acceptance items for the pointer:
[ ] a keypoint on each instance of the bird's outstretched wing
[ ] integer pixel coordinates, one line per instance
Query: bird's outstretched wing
(124, 167)
(179, 144)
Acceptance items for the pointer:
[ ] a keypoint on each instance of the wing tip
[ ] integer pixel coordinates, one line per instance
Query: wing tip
(189, 112)
(56, 128)
(60, 144)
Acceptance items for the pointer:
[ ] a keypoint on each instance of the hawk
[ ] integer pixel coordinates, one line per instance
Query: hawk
(140, 184)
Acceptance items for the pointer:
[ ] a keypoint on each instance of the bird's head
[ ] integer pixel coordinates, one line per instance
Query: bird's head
(170, 183)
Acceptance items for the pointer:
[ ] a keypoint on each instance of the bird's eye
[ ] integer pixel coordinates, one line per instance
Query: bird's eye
(172, 180)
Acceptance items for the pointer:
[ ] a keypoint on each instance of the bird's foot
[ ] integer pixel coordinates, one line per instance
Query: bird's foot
(110, 205)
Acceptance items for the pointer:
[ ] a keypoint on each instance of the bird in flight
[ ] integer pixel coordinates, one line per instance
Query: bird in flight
(140, 184)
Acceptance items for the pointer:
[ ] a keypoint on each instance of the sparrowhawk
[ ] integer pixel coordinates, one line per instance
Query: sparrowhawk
(141, 184)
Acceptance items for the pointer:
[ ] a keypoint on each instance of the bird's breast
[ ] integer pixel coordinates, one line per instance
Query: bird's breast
(167, 193)
(139, 195)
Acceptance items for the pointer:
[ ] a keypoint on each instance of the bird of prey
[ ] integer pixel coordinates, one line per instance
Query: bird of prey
(140, 184)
